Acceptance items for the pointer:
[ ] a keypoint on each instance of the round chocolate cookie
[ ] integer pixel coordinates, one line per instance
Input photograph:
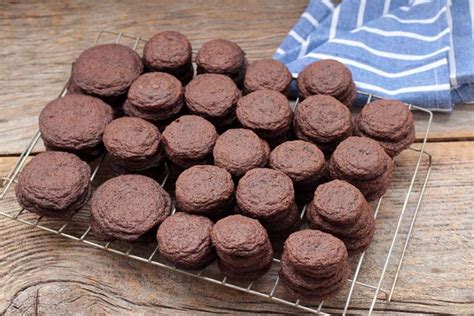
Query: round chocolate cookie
(314, 253)
(106, 70)
(155, 96)
(239, 236)
(267, 74)
(133, 144)
(307, 284)
(327, 77)
(302, 161)
(204, 189)
(189, 140)
(221, 56)
(75, 123)
(265, 194)
(239, 150)
(168, 51)
(362, 162)
(54, 184)
(243, 248)
(390, 122)
(214, 97)
(185, 240)
(128, 206)
(323, 120)
(266, 112)
(339, 202)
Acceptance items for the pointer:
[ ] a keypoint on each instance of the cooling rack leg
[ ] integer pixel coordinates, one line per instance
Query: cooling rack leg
(412, 224)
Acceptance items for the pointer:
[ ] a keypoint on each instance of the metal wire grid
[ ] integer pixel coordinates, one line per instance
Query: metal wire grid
(377, 288)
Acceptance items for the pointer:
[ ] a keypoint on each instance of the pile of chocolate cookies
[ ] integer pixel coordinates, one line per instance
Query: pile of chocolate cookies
(242, 164)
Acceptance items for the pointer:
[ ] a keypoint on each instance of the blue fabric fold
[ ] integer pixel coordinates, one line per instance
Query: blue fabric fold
(420, 51)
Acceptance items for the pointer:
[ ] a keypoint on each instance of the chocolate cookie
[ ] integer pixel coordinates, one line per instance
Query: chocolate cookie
(390, 122)
(265, 194)
(204, 189)
(106, 70)
(189, 140)
(315, 254)
(128, 206)
(267, 74)
(221, 56)
(327, 77)
(239, 150)
(239, 240)
(302, 161)
(155, 96)
(239, 236)
(185, 240)
(323, 120)
(54, 184)
(214, 97)
(170, 52)
(339, 202)
(75, 123)
(266, 112)
(134, 144)
(362, 162)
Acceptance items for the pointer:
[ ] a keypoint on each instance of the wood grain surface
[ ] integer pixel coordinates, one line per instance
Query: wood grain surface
(39, 41)
(41, 273)
(45, 273)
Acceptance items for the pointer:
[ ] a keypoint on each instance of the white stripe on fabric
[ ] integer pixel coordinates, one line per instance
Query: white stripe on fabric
(296, 36)
(417, 21)
(452, 60)
(378, 71)
(372, 87)
(471, 13)
(386, 7)
(328, 4)
(402, 34)
(333, 27)
(310, 19)
(404, 8)
(360, 14)
(280, 51)
(304, 48)
(387, 54)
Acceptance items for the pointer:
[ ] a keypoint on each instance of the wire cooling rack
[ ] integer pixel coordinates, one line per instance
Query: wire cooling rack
(77, 227)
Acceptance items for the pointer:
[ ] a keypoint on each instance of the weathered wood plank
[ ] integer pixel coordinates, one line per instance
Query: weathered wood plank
(46, 273)
(39, 41)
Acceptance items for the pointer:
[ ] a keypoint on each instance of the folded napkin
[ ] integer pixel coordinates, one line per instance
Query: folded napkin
(421, 52)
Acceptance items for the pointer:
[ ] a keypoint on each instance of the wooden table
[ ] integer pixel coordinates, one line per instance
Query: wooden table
(43, 273)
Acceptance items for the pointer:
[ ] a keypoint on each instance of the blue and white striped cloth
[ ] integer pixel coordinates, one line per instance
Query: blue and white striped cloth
(418, 51)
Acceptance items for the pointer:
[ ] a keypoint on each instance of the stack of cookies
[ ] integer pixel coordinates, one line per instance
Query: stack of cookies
(206, 190)
(134, 146)
(389, 122)
(338, 208)
(214, 97)
(267, 74)
(267, 113)
(268, 195)
(324, 121)
(224, 57)
(304, 163)
(328, 77)
(243, 249)
(362, 162)
(170, 52)
(105, 71)
(314, 265)
(185, 240)
(156, 97)
(239, 150)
